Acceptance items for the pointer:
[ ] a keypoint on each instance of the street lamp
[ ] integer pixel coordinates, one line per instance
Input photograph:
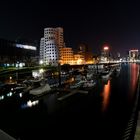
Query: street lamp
(106, 48)
(106, 52)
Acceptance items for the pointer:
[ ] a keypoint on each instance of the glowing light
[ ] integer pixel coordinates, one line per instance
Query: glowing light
(41, 70)
(134, 50)
(25, 47)
(79, 61)
(9, 94)
(30, 103)
(20, 95)
(106, 48)
(41, 62)
(20, 65)
(10, 78)
(1, 97)
(106, 94)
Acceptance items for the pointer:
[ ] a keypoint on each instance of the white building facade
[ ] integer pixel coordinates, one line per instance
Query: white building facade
(50, 46)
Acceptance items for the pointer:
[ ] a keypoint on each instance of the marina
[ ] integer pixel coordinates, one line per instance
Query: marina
(99, 107)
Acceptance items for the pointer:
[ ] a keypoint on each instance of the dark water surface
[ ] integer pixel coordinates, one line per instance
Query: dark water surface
(101, 114)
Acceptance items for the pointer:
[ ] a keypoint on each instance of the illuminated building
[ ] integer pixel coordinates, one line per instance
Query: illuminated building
(79, 59)
(12, 52)
(53, 50)
(133, 55)
(67, 55)
(50, 45)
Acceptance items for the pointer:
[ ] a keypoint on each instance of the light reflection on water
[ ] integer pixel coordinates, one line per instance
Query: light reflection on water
(29, 104)
(106, 95)
(134, 71)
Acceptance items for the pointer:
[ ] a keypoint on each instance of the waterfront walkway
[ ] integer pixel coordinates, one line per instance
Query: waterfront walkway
(5, 136)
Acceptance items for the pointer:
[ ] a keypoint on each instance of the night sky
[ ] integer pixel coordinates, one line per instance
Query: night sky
(116, 23)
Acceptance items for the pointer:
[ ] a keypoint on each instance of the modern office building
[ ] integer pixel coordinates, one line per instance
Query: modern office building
(67, 55)
(54, 51)
(12, 52)
(50, 46)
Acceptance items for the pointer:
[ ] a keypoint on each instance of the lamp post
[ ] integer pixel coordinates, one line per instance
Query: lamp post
(106, 51)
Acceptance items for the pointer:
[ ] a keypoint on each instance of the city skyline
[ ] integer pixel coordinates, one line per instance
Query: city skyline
(115, 23)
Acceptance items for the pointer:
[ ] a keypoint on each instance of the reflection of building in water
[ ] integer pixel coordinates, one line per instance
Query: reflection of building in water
(106, 95)
(134, 73)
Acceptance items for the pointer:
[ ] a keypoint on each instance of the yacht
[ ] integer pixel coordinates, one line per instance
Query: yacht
(40, 90)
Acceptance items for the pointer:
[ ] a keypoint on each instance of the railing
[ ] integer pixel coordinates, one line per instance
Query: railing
(130, 130)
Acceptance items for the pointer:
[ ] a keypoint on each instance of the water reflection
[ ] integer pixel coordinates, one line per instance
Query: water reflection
(106, 95)
(29, 104)
(51, 103)
(134, 72)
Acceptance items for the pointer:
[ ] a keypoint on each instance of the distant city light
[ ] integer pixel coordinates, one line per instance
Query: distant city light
(1, 97)
(25, 47)
(79, 61)
(106, 48)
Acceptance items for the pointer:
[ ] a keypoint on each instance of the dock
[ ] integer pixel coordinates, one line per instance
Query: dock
(72, 93)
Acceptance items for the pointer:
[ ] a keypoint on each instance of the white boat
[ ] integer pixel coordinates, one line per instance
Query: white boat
(89, 84)
(77, 84)
(40, 90)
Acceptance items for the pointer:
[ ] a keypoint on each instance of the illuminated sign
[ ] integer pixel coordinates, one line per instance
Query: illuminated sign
(25, 47)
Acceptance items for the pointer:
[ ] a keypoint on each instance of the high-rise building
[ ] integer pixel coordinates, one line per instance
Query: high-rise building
(50, 45)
